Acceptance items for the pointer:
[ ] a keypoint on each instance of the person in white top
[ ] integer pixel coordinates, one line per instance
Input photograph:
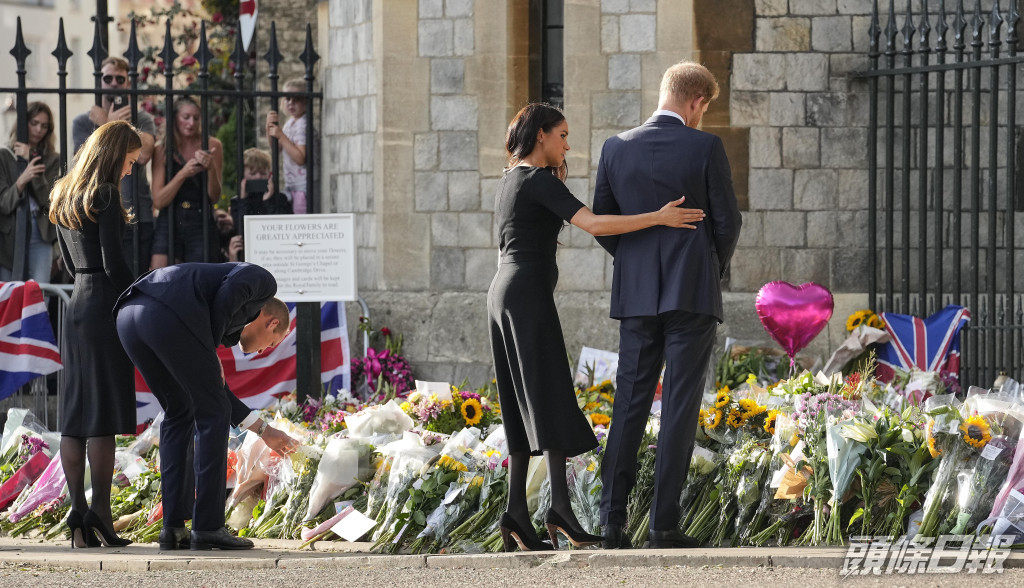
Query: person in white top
(292, 139)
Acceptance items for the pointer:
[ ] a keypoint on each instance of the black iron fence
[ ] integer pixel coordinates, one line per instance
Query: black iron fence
(242, 97)
(943, 193)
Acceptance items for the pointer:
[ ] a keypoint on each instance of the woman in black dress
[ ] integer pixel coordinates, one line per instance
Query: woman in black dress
(535, 390)
(98, 396)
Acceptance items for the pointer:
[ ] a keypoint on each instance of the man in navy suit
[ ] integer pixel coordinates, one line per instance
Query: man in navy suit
(171, 322)
(666, 291)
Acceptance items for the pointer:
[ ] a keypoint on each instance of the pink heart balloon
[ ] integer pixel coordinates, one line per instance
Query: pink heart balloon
(794, 315)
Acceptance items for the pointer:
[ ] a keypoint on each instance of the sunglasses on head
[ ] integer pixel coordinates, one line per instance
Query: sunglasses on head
(109, 79)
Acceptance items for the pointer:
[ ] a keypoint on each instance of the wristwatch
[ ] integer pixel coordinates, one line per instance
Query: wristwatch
(263, 427)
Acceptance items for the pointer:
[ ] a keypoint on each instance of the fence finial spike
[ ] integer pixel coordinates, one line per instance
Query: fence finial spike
(62, 52)
(203, 55)
(168, 55)
(239, 56)
(925, 28)
(309, 55)
(908, 30)
(996, 23)
(133, 54)
(977, 26)
(273, 56)
(891, 30)
(941, 28)
(98, 51)
(874, 30)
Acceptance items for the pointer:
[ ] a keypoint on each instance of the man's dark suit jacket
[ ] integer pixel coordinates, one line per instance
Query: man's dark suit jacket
(213, 300)
(662, 269)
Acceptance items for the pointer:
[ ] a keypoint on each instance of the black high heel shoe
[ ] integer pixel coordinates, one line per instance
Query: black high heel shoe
(512, 534)
(556, 524)
(108, 538)
(80, 535)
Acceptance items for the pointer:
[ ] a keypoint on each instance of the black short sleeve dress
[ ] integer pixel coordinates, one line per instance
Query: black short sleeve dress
(98, 396)
(538, 403)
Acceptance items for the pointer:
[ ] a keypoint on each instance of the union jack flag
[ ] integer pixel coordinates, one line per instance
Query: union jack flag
(259, 379)
(28, 348)
(930, 344)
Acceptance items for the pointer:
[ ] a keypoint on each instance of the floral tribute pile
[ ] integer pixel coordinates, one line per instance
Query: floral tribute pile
(806, 460)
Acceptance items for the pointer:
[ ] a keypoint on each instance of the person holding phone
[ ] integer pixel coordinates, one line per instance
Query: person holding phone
(34, 183)
(114, 76)
(182, 191)
(256, 196)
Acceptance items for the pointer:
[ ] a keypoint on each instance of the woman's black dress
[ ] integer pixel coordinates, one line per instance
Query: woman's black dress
(538, 403)
(98, 396)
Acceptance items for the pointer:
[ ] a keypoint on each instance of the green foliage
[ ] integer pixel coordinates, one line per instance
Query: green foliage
(230, 175)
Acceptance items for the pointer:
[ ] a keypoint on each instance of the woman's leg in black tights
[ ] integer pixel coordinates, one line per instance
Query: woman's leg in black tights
(518, 465)
(101, 464)
(559, 488)
(72, 459)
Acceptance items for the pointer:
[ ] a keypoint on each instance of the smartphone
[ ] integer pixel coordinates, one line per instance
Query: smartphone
(120, 100)
(256, 187)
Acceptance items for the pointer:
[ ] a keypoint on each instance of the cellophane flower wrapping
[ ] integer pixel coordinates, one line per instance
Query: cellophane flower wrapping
(345, 462)
(50, 486)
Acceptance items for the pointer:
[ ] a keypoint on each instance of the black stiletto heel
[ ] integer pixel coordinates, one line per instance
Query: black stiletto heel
(80, 536)
(512, 534)
(556, 524)
(108, 538)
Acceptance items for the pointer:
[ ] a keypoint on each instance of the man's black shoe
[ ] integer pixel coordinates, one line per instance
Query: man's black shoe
(615, 538)
(174, 538)
(219, 539)
(670, 540)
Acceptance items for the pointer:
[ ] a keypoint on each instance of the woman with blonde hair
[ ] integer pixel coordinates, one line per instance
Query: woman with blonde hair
(182, 190)
(33, 183)
(98, 395)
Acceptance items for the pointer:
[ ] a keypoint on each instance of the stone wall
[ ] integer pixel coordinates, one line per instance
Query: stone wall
(446, 76)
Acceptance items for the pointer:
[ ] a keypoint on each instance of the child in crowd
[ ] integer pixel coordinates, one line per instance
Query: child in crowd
(292, 139)
(256, 196)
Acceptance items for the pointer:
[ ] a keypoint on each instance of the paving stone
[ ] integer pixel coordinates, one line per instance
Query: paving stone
(463, 37)
(458, 8)
(610, 34)
(615, 6)
(431, 8)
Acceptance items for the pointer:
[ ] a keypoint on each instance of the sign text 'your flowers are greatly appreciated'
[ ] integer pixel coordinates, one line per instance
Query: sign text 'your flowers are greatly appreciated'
(312, 256)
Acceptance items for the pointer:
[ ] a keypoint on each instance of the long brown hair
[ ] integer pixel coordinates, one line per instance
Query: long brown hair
(99, 161)
(171, 123)
(46, 144)
(521, 137)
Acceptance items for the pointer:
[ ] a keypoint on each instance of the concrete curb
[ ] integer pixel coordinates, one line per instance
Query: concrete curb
(339, 555)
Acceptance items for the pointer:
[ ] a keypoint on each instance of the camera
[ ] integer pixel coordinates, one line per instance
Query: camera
(258, 187)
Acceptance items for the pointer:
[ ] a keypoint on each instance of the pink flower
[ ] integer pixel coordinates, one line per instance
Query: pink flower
(218, 17)
(188, 60)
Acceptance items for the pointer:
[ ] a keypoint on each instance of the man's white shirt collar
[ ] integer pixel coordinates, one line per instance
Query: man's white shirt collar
(669, 113)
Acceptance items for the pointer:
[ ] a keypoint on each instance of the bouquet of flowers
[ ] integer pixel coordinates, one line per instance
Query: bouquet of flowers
(448, 415)
(48, 487)
(22, 464)
(384, 373)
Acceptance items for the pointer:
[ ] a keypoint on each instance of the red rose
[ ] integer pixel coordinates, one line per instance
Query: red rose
(218, 17)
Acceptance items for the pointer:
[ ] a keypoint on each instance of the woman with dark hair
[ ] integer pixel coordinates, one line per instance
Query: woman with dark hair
(98, 395)
(33, 183)
(182, 193)
(535, 390)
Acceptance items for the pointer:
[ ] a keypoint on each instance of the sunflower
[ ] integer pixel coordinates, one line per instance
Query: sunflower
(857, 319)
(472, 412)
(769, 422)
(876, 322)
(976, 432)
(713, 418)
(749, 407)
(722, 397)
(600, 419)
(932, 449)
(590, 406)
(735, 418)
(701, 415)
(608, 397)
